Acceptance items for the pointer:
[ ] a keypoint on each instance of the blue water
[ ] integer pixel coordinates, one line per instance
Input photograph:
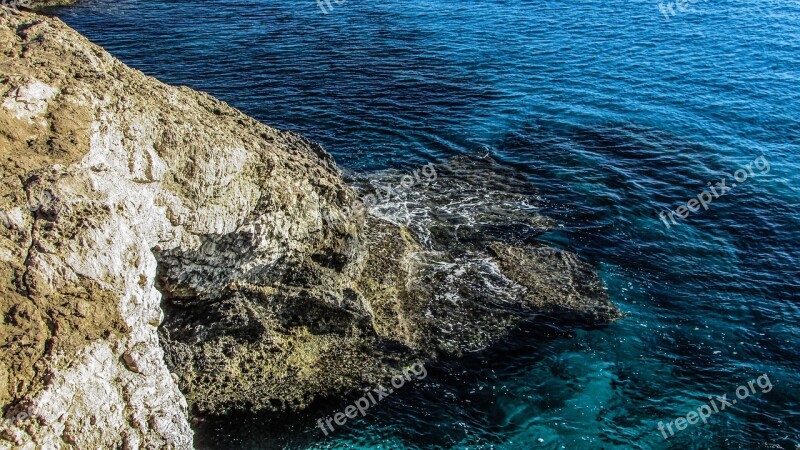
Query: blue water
(614, 114)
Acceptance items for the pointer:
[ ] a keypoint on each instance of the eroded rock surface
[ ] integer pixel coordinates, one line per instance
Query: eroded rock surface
(105, 174)
(163, 255)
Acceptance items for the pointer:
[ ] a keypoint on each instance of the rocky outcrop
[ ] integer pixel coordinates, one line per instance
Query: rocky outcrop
(106, 171)
(163, 255)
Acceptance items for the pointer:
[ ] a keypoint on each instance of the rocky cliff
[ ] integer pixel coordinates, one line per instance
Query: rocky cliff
(164, 255)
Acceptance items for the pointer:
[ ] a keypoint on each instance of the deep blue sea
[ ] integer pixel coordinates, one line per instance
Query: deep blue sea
(614, 114)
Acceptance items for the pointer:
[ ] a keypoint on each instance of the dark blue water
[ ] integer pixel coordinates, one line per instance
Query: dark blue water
(614, 114)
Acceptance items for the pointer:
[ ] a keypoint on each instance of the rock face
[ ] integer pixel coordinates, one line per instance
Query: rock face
(163, 254)
(108, 175)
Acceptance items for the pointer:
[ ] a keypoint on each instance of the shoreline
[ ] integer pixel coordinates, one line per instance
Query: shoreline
(190, 251)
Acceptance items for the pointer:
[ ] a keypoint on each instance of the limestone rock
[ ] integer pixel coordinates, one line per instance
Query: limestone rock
(108, 177)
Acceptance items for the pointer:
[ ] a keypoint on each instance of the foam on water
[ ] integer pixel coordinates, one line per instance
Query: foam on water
(466, 199)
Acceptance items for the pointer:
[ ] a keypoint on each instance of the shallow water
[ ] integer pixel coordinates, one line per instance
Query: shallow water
(609, 114)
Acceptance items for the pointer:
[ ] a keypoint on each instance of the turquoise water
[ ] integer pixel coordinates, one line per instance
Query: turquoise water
(615, 114)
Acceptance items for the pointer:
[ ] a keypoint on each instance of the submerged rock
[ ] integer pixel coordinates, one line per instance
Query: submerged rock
(162, 255)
